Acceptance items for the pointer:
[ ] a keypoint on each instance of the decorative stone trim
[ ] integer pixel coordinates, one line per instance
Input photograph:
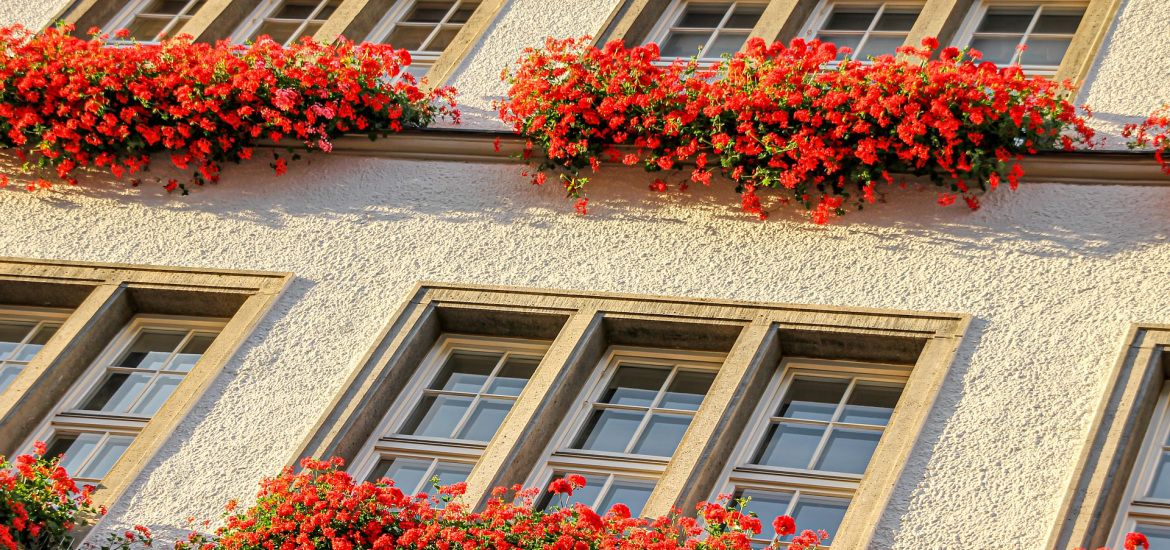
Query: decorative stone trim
(104, 297)
(583, 325)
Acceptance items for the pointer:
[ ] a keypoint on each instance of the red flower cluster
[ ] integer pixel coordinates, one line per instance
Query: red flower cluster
(322, 506)
(39, 503)
(1153, 132)
(71, 104)
(778, 117)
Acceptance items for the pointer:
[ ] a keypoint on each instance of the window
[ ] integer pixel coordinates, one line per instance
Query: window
(1146, 504)
(148, 20)
(813, 436)
(423, 27)
(706, 29)
(23, 332)
(1033, 35)
(466, 388)
(629, 426)
(870, 29)
(286, 21)
(99, 419)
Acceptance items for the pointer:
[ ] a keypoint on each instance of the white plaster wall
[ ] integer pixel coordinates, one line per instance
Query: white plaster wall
(33, 14)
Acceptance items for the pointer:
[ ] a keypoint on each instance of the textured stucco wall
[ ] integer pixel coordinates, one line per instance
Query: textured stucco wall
(30, 13)
(1053, 275)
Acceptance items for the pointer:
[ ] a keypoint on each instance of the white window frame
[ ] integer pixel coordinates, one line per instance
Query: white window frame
(420, 59)
(387, 443)
(264, 11)
(68, 417)
(126, 15)
(40, 316)
(979, 10)
(1135, 509)
(671, 15)
(559, 456)
(741, 474)
(820, 16)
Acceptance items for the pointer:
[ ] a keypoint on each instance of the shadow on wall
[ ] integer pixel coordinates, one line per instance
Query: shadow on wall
(1044, 220)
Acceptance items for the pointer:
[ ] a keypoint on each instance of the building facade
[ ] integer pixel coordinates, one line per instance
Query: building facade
(909, 376)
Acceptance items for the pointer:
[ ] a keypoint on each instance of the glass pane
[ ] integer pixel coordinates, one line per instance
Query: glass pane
(441, 39)
(818, 513)
(76, 449)
(1045, 51)
(1158, 536)
(117, 393)
(871, 404)
(680, 44)
(280, 33)
(813, 399)
(466, 371)
(158, 393)
(11, 335)
(703, 16)
(662, 434)
(586, 495)
(326, 11)
(104, 459)
(849, 451)
(896, 21)
(609, 430)
(408, 474)
(34, 345)
(745, 17)
(309, 30)
(631, 492)
(295, 9)
(169, 7)
(1012, 20)
(1057, 22)
(185, 360)
(428, 12)
(437, 416)
(790, 446)
(7, 375)
(485, 419)
(409, 37)
(464, 12)
(1000, 51)
(146, 29)
(687, 390)
(513, 376)
(880, 45)
(449, 474)
(726, 42)
(1160, 487)
(851, 19)
(150, 350)
(635, 386)
(768, 505)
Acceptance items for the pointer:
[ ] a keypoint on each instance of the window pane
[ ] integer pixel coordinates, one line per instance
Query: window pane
(1045, 51)
(410, 38)
(150, 350)
(790, 446)
(813, 399)
(169, 7)
(745, 17)
(295, 9)
(880, 45)
(896, 21)
(485, 419)
(11, 335)
(325, 12)
(449, 474)
(513, 376)
(464, 12)
(705, 16)
(1000, 51)
(635, 386)
(687, 390)
(279, 32)
(8, 373)
(34, 345)
(75, 448)
(186, 359)
(871, 404)
(105, 457)
(466, 371)
(820, 513)
(586, 495)
(631, 492)
(1057, 22)
(768, 505)
(1011, 20)
(441, 40)
(1158, 536)
(118, 392)
(726, 43)
(408, 474)
(662, 434)
(437, 416)
(849, 451)
(158, 393)
(1160, 487)
(428, 12)
(852, 19)
(609, 430)
(680, 44)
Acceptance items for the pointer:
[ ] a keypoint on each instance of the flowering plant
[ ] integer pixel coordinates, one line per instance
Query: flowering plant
(1153, 132)
(322, 505)
(71, 104)
(775, 116)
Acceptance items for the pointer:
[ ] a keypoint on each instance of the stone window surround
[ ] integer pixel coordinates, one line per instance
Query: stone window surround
(633, 20)
(583, 326)
(354, 19)
(103, 299)
(1114, 443)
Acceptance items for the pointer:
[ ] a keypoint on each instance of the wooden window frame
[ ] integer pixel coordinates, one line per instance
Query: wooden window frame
(40, 316)
(820, 15)
(124, 18)
(661, 31)
(978, 11)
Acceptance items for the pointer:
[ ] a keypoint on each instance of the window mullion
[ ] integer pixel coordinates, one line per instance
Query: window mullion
(1018, 56)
